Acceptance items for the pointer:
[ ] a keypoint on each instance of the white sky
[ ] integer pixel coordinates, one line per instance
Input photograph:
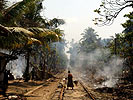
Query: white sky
(78, 15)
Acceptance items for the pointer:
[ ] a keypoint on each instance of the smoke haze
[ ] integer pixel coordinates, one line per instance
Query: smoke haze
(98, 67)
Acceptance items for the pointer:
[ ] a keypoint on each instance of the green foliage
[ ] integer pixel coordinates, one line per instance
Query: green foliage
(124, 40)
(128, 22)
(15, 13)
(123, 44)
(61, 57)
(27, 14)
(90, 41)
(54, 23)
(35, 29)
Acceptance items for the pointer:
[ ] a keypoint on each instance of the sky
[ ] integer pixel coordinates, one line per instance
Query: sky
(78, 15)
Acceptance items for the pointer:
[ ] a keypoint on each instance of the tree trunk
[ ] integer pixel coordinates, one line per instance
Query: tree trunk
(26, 74)
(131, 59)
(3, 76)
(115, 46)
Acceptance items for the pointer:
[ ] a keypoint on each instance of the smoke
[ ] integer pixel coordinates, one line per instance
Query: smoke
(17, 66)
(111, 71)
(60, 53)
(98, 67)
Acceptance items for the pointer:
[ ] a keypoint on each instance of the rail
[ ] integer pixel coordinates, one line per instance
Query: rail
(86, 89)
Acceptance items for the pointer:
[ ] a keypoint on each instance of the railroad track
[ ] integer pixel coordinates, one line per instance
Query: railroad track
(86, 89)
(89, 95)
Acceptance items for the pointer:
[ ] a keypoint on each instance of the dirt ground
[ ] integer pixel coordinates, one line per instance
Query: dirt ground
(44, 92)
(32, 90)
(77, 93)
(50, 90)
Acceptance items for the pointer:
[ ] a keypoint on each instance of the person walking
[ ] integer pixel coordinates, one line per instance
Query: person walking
(70, 80)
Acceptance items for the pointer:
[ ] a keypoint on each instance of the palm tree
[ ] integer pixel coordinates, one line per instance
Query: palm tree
(46, 37)
(20, 40)
(13, 14)
(12, 41)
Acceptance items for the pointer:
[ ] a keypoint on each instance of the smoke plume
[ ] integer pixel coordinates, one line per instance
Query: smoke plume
(98, 67)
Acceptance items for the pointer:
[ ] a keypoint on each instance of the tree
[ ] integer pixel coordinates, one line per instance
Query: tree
(12, 40)
(46, 37)
(20, 40)
(129, 23)
(87, 44)
(90, 41)
(128, 37)
(16, 12)
(122, 44)
(27, 14)
(109, 10)
(74, 51)
(15, 37)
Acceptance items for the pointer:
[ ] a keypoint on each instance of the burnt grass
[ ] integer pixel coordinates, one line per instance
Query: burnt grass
(121, 92)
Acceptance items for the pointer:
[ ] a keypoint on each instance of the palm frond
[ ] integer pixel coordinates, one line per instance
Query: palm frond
(16, 37)
(16, 11)
(44, 34)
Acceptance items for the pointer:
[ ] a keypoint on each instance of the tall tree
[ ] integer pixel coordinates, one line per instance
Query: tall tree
(19, 10)
(27, 14)
(128, 37)
(122, 44)
(89, 41)
(73, 50)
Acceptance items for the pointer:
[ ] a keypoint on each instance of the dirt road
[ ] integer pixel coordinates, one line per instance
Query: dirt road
(44, 92)
(50, 90)
(77, 94)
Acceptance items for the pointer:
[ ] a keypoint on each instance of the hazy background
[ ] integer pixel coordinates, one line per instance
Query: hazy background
(78, 15)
